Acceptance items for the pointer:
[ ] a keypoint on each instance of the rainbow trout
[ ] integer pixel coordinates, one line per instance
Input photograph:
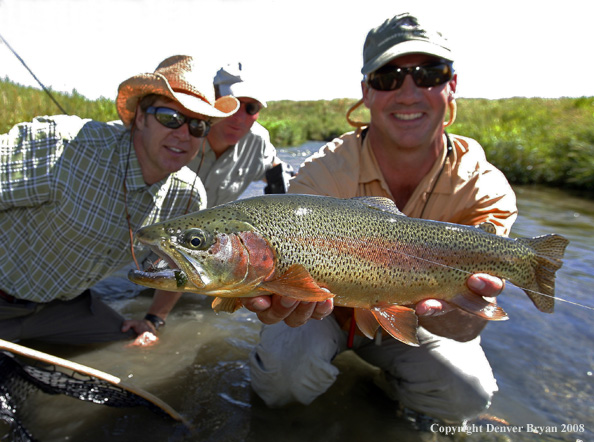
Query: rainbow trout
(363, 252)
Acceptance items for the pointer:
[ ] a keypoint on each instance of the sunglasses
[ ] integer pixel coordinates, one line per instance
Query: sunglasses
(252, 108)
(173, 119)
(390, 77)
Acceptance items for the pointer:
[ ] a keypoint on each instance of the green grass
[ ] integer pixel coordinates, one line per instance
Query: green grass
(21, 103)
(532, 140)
(535, 140)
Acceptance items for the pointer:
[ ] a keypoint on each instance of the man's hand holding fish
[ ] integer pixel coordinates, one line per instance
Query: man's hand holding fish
(275, 308)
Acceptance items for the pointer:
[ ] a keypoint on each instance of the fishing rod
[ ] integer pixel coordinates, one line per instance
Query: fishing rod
(31, 72)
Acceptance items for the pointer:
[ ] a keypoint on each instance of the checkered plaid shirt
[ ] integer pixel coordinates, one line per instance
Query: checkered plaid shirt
(62, 214)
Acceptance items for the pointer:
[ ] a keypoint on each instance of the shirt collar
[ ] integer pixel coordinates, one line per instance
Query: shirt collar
(128, 159)
(370, 170)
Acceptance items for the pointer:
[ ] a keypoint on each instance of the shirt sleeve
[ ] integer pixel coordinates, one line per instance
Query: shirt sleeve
(28, 155)
(491, 200)
(268, 155)
(481, 192)
(332, 171)
(313, 178)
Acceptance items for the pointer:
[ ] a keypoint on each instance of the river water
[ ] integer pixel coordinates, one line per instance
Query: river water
(544, 364)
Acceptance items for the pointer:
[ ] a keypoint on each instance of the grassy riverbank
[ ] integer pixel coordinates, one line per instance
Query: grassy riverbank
(532, 140)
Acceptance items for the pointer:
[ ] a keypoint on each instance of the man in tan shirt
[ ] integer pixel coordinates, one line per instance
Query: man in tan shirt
(404, 154)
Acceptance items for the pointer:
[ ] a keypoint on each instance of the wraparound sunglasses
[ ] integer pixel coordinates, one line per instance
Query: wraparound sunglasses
(173, 119)
(390, 77)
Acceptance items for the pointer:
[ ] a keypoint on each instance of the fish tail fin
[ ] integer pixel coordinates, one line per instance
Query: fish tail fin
(548, 258)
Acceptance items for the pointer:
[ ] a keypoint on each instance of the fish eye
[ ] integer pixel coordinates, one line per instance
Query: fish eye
(196, 239)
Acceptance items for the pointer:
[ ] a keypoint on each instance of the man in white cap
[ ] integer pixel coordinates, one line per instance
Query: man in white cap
(403, 154)
(72, 191)
(238, 150)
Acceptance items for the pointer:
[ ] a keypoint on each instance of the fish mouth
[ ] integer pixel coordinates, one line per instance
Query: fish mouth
(171, 271)
(166, 279)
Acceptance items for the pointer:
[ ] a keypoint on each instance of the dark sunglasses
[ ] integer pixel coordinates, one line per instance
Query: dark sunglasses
(173, 119)
(390, 77)
(252, 108)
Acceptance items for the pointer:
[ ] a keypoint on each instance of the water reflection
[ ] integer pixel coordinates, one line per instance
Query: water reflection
(543, 363)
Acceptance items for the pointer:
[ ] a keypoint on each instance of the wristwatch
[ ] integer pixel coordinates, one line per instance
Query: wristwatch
(155, 320)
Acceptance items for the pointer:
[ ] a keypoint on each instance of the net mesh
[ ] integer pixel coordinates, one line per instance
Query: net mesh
(19, 380)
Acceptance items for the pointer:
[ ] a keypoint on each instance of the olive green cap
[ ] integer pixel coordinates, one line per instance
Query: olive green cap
(400, 35)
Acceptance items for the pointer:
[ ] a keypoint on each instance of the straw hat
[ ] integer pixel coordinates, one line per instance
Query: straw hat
(177, 78)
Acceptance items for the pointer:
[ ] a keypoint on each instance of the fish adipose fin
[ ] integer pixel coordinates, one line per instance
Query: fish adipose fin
(400, 322)
(297, 283)
(479, 306)
(549, 251)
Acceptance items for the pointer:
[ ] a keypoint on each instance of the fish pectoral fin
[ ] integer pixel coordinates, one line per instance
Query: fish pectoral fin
(366, 322)
(229, 305)
(479, 306)
(297, 283)
(400, 322)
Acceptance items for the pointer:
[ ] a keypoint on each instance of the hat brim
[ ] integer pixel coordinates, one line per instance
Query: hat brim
(133, 89)
(404, 48)
(223, 107)
(241, 89)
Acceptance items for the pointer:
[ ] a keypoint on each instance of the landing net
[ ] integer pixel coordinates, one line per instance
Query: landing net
(20, 378)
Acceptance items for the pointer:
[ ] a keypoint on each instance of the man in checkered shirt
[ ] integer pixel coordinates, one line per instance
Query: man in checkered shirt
(67, 185)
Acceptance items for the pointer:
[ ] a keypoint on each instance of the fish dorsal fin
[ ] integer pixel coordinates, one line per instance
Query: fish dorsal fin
(297, 283)
(487, 227)
(366, 322)
(381, 203)
(400, 322)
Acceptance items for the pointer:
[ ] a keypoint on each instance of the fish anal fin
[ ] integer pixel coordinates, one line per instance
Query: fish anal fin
(479, 306)
(400, 322)
(366, 322)
(229, 305)
(296, 282)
